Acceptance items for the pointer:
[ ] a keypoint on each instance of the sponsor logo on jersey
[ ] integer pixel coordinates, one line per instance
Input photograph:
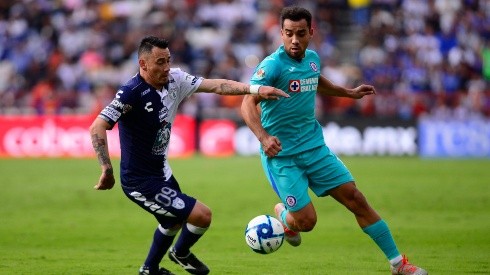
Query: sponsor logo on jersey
(145, 92)
(118, 105)
(294, 86)
(161, 141)
(111, 113)
(260, 73)
(303, 85)
(147, 107)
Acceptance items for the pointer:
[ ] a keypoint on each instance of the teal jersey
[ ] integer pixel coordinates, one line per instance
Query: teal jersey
(291, 119)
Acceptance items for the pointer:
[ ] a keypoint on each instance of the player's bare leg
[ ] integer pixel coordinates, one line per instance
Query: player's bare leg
(348, 195)
(303, 220)
(372, 224)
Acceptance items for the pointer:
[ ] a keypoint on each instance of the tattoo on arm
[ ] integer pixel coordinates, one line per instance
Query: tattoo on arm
(99, 145)
(229, 89)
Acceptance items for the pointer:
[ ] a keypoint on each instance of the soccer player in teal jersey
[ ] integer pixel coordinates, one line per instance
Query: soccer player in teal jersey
(294, 154)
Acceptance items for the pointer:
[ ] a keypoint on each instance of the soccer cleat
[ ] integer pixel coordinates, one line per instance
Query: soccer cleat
(144, 270)
(406, 268)
(190, 263)
(292, 237)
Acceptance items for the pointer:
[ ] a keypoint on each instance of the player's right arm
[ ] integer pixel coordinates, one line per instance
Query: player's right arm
(265, 73)
(98, 135)
(251, 115)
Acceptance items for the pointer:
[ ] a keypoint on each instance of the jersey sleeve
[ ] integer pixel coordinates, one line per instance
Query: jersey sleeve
(121, 104)
(187, 83)
(265, 73)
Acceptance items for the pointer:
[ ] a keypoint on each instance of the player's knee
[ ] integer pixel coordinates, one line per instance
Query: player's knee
(200, 216)
(207, 217)
(305, 219)
(359, 199)
(306, 223)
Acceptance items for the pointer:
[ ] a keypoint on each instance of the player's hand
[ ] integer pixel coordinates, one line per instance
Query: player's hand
(271, 146)
(106, 181)
(268, 92)
(361, 91)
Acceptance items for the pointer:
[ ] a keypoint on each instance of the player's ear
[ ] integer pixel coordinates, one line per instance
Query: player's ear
(142, 63)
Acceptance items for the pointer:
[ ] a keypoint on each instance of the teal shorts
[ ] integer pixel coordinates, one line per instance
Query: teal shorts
(318, 169)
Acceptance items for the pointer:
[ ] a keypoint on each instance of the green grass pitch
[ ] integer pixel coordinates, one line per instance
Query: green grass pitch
(53, 222)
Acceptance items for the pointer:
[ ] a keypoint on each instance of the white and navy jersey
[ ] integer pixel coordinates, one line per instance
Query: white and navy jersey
(145, 117)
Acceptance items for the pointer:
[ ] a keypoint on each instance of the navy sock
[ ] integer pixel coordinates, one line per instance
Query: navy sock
(189, 235)
(162, 240)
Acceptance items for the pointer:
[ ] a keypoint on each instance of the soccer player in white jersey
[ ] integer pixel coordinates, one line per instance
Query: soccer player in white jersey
(294, 155)
(145, 108)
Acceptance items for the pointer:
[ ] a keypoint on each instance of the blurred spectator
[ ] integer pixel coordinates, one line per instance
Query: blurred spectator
(68, 56)
(45, 96)
(360, 11)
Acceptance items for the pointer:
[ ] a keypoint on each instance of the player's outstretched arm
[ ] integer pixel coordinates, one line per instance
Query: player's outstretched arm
(326, 87)
(230, 87)
(99, 142)
(250, 113)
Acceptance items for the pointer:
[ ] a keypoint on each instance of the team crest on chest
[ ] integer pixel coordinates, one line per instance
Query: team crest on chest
(313, 66)
(172, 93)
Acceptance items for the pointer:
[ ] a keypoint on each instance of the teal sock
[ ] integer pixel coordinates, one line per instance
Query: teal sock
(284, 213)
(381, 235)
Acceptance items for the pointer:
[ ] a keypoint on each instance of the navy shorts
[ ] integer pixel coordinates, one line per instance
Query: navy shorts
(163, 199)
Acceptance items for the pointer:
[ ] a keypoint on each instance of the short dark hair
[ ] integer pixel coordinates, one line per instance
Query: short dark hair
(295, 13)
(149, 42)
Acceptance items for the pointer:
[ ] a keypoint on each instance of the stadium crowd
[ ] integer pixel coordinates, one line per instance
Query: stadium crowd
(423, 56)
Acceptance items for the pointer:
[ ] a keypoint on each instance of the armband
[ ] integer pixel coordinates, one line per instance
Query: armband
(254, 89)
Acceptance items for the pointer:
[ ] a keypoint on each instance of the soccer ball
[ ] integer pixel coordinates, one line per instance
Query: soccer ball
(264, 234)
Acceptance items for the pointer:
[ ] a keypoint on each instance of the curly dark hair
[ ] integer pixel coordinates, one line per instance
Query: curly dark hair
(295, 13)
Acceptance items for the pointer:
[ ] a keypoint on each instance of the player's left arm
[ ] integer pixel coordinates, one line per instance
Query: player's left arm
(98, 134)
(230, 87)
(326, 87)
